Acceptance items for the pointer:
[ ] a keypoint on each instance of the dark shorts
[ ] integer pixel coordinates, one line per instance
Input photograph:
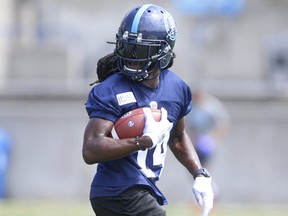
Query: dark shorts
(133, 202)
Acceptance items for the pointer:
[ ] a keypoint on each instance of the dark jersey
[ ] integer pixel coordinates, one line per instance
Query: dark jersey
(110, 100)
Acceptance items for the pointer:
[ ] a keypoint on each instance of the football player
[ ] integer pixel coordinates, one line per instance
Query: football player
(138, 76)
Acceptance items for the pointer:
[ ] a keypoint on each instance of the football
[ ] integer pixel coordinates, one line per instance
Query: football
(131, 124)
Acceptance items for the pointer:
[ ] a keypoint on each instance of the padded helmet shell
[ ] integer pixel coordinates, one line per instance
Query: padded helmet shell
(146, 37)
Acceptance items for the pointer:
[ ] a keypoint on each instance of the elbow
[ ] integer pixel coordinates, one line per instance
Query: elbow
(88, 157)
(88, 161)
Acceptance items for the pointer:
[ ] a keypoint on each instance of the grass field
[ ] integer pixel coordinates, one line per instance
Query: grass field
(81, 208)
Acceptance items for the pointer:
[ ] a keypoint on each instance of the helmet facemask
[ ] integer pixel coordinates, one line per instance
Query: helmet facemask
(145, 41)
(138, 57)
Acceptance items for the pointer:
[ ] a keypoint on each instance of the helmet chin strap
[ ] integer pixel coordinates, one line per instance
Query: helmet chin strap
(148, 77)
(144, 71)
(153, 77)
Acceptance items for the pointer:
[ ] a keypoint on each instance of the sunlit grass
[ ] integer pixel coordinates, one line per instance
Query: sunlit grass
(45, 208)
(83, 208)
(230, 210)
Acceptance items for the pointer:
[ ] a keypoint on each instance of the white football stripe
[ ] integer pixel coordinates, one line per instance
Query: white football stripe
(114, 133)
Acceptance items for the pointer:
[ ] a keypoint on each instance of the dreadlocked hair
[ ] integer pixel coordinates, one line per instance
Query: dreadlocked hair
(108, 65)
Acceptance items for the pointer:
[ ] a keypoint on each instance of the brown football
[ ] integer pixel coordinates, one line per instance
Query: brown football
(131, 124)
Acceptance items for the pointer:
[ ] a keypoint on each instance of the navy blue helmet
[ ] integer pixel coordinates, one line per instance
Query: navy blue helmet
(145, 40)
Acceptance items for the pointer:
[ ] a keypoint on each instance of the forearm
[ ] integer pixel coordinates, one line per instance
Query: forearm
(105, 148)
(185, 153)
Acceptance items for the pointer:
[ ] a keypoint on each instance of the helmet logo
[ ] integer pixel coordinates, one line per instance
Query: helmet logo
(170, 26)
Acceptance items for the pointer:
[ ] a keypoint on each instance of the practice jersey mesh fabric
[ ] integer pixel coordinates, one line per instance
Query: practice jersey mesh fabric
(110, 100)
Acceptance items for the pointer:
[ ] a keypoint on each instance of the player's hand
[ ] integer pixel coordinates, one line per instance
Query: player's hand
(157, 131)
(203, 192)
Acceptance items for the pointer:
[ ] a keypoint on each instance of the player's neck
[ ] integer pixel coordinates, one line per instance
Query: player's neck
(153, 79)
(153, 84)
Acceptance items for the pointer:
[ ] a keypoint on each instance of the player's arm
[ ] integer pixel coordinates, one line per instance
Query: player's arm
(99, 147)
(184, 151)
(182, 147)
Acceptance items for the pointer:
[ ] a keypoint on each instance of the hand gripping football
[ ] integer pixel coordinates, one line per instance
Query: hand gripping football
(131, 124)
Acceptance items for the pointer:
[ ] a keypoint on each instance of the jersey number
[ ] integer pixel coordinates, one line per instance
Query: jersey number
(157, 159)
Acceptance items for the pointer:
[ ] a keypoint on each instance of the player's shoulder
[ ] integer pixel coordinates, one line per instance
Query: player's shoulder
(113, 82)
(113, 79)
(170, 74)
(111, 87)
(171, 77)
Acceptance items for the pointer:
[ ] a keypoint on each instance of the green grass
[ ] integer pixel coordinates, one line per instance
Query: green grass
(82, 208)
(230, 210)
(45, 208)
